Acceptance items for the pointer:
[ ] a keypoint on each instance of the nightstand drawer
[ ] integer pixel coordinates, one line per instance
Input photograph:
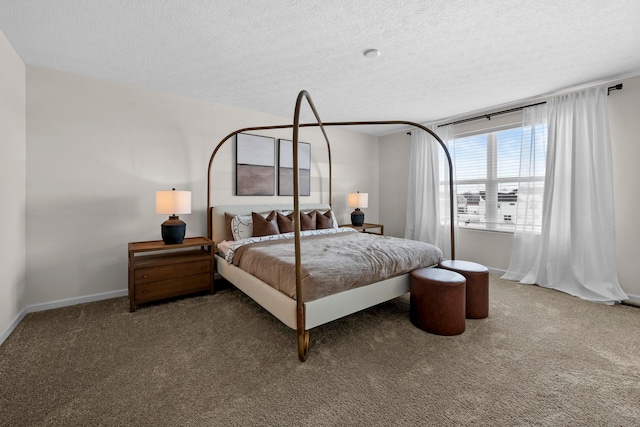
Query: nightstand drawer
(173, 287)
(146, 275)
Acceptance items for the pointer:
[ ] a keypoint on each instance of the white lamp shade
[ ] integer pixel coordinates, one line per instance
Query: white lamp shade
(358, 200)
(172, 202)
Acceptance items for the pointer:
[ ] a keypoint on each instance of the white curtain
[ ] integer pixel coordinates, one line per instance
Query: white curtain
(577, 243)
(428, 218)
(533, 151)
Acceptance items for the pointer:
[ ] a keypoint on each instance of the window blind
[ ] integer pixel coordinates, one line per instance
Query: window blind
(487, 173)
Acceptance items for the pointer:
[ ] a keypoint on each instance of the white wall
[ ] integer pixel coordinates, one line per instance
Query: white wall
(96, 153)
(12, 190)
(494, 249)
(624, 118)
(395, 150)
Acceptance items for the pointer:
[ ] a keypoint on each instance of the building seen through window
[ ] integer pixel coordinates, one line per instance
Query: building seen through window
(488, 176)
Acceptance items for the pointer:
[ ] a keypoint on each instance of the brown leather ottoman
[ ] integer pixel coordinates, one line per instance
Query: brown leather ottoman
(477, 276)
(437, 301)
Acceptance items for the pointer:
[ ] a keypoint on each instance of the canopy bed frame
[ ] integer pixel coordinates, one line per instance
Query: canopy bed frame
(298, 314)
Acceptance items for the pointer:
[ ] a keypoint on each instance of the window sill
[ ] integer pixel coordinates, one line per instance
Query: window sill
(484, 230)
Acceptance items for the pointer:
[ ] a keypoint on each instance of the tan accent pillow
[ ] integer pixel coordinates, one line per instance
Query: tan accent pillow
(324, 220)
(227, 226)
(308, 221)
(285, 223)
(264, 226)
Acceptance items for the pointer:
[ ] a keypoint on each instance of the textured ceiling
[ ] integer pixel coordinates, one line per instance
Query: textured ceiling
(439, 58)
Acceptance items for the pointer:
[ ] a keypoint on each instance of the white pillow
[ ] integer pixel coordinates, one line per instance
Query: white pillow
(242, 225)
(333, 218)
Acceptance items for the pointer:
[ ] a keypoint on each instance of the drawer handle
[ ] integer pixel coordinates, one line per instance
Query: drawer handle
(144, 291)
(144, 276)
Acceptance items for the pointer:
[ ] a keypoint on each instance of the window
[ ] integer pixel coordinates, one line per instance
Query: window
(487, 176)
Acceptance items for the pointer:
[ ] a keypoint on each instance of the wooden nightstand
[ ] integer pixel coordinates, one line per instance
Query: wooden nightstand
(364, 228)
(161, 271)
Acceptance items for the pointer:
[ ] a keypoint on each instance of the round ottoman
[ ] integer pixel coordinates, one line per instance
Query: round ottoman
(437, 301)
(477, 276)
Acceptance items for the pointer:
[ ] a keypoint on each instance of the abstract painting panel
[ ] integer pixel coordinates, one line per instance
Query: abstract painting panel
(255, 165)
(285, 168)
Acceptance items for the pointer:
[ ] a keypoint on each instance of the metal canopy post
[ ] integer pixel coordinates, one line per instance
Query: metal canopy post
(302, 333)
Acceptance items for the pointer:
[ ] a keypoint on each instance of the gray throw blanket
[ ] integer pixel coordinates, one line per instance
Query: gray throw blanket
(334, 263)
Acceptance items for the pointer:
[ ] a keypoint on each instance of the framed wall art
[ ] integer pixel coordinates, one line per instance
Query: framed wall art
(255, 165)
(285, 168)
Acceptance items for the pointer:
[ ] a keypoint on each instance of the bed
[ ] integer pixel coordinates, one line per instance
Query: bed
(308, 312)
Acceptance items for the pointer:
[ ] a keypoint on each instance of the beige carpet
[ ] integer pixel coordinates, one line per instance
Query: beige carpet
(541, 358)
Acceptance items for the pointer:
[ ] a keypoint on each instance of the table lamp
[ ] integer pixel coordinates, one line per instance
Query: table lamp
(173, 203)
(358, 200)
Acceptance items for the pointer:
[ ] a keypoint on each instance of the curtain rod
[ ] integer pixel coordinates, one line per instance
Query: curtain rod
(488, 116)
(511, 110)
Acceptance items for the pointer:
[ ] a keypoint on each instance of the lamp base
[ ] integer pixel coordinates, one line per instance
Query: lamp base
(357, 217)
(173, 230)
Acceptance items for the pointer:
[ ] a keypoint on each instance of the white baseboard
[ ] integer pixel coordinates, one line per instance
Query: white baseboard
(634, 298)
(496, 271)
(12, 325)
(77, 300)
(58, 304)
